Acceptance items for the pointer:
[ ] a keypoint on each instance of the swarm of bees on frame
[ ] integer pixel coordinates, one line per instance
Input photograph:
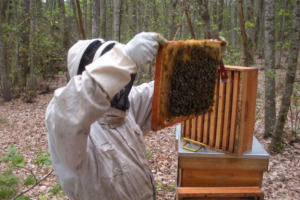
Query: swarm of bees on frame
(193, 81)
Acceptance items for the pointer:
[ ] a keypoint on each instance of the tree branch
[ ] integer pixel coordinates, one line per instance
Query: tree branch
(34, 185)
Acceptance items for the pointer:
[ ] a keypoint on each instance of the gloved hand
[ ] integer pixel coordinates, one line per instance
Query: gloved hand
(143, 47)
(223, 46)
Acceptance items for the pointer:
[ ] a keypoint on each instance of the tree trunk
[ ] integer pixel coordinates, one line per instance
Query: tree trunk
(31, 91)
(103, 19)
(24, 45)
(220, 14)
(81, 27)
(117, 17)
(234, 23)
(66, 36)
(182, 35)
(270, 106)
(95, 18)
(84, 16)
(187, 13)
(282, 22)
(172, 21)
(243, 33)
(289, 79)
(250, 18)
(203, 4)
(4, 83)
(260, 4)
(78, 19)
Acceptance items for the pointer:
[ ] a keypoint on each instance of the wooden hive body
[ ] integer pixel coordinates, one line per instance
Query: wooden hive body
(229, 127)
(196, 52)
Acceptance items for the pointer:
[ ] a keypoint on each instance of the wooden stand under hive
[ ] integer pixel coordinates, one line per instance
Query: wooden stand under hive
(185, 77)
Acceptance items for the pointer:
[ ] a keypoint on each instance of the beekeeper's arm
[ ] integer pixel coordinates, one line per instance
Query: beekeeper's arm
(86, 97)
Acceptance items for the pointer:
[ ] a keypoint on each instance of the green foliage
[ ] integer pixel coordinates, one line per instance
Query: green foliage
(56, 189)
(29, 180)
(23, 198)
(234, 57)
(248, 24)
(272, 75)
(10, 183)
(2, 121)
(44, 158)
(171, 187)
(149, 155)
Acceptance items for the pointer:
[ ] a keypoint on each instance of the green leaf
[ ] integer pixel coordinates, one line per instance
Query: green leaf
(4, 158)
(6, 192)
(12, 150)
(19, 161)
(23, 198)
(29, 180)
(56, 189)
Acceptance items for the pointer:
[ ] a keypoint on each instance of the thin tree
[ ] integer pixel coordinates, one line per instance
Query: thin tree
(103, 18)
(65, 33)
(32, 85)
(259, 17)
(117, 19)
(234, 23)
(78, 18)
(289, 79)
(172, 21)
(282, 23)
(249, 4)
(243, 33)
(95, 18)
(270, 104)
(204, 12)
(4, 83)
(187, 13)
(220, 14)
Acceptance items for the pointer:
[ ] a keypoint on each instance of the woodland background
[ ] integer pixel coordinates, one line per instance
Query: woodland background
(35, 36)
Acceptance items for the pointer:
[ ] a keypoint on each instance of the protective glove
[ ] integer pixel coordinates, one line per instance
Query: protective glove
(143, 47)
(223, 46)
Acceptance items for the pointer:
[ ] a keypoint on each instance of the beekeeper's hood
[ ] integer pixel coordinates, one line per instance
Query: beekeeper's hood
(83, 53)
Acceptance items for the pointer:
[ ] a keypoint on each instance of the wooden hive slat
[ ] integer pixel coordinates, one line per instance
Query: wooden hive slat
(206, 128)
(200, 128)
(213, 117)
(227, 113)
(229, 126)
(220, 118)
(234, 111)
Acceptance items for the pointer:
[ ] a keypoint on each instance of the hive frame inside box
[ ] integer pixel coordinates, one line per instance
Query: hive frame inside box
(161, 115)
(229, 127)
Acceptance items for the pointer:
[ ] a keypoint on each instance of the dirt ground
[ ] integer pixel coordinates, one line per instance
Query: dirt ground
(22, 125)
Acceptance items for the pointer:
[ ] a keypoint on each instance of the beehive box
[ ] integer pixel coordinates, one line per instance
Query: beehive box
(229, 126)
(185, 77)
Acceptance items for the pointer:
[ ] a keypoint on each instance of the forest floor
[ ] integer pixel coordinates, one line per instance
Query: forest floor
(22, 125)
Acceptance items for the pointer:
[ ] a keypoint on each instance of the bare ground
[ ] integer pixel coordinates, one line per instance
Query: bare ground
(22, 125)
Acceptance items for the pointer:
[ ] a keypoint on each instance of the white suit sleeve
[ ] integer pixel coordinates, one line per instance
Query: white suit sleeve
(86, 97)
(140, 99)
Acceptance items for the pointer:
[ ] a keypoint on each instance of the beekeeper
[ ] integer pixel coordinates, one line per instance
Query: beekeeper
(97, 122)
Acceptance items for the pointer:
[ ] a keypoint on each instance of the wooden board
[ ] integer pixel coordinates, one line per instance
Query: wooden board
(224, 193)
(237, 164)
(213, 178)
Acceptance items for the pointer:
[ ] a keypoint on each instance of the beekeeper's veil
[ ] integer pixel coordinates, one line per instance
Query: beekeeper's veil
(85, 52)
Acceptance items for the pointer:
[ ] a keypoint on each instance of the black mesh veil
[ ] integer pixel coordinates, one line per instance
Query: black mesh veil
(120, 100)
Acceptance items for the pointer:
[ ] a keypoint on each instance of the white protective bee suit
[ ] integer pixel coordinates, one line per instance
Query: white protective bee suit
(98, 151)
